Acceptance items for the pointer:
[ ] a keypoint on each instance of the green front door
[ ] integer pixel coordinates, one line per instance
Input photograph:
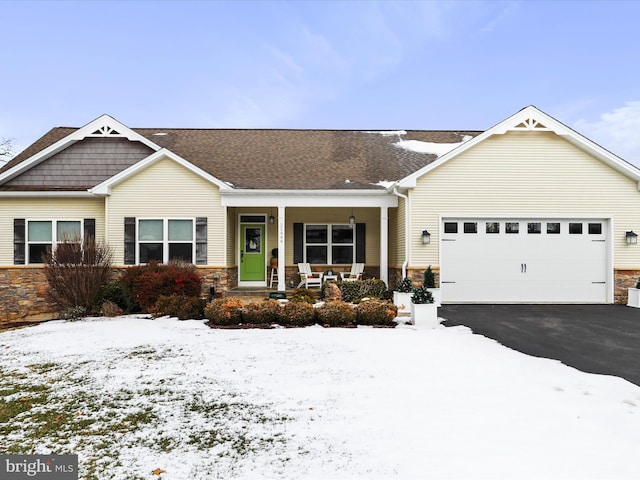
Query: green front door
(252, 257)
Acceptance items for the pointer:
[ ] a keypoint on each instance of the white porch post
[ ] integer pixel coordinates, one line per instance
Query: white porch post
(384, 244)
(282, 282)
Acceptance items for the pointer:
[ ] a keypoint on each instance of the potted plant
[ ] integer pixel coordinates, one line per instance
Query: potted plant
(430, 284)
(633, 299)
(402, 295)
(424, 312)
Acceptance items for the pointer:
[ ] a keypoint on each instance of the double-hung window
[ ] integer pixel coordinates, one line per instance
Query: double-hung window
(48, 235)
(166, 239)
(329, 244)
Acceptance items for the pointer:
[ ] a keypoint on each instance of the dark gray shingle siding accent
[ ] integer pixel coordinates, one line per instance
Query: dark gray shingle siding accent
(84, 164)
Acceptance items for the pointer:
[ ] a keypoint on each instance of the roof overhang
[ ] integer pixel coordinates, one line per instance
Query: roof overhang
(531, 119)
(308, 198)
(105, 187)
(46, 194)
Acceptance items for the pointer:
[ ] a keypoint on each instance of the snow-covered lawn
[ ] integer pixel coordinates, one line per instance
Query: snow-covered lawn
(132, 395)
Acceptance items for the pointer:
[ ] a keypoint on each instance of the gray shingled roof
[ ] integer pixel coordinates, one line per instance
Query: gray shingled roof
(287, 159)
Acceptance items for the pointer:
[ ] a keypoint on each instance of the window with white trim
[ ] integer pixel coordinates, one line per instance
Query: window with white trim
(44, 236)
(164, 239)
(329, 244)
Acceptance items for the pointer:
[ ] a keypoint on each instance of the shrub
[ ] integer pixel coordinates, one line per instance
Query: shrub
(354, 291)
(429, 278)
(421, 295)
(146, 283)
(110, 309)
(114, 292)
(405, 285)
(304, 295)
(180, 306)
(73, 313)
(298, 314)
(224, 311)
(376, 312)
(76, 271)
(266, 311)
(336, 314)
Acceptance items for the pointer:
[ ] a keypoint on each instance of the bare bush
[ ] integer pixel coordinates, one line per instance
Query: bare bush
(76, 271)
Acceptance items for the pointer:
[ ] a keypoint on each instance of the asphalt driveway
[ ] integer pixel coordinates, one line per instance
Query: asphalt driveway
(601, 339)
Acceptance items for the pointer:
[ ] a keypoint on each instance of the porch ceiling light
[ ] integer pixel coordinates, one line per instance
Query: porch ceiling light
(632, 238)
(426, 237)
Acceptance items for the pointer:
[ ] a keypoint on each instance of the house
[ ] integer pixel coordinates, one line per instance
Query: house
(526, 211)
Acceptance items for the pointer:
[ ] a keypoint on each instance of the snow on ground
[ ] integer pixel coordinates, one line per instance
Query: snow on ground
(331, 403)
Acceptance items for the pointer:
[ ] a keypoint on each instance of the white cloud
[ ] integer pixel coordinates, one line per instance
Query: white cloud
(617, 131)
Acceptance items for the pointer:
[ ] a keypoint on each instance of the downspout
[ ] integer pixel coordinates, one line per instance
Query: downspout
(406, 229)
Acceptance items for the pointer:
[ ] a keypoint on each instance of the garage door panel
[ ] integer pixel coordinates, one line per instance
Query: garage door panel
(533, 265)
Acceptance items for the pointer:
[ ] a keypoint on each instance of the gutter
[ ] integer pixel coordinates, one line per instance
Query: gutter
(406, 229)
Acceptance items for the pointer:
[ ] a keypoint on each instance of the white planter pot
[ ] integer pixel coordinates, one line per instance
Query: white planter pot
(436, 295)
(402, 301)
(424, 315)
(634, 298)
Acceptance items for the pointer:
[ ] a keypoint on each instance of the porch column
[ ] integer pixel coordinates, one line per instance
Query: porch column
(282, 282)
(384, 244)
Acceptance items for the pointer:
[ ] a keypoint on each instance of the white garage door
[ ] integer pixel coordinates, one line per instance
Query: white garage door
(524, 261)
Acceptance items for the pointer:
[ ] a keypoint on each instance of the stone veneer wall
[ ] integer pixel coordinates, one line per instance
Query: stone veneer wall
(415, 274)
(624, 279)
(23, 295)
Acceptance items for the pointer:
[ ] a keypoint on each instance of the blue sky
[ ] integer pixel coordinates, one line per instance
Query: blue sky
(334, 65)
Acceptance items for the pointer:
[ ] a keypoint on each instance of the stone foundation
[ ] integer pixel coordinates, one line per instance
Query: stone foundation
(624, 279)
(23, 295)
(415, 274)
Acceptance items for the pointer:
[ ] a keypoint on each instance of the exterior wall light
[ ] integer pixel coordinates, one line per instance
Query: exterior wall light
(352, 219)
(632, 238)
(272, 219)
(426, 237)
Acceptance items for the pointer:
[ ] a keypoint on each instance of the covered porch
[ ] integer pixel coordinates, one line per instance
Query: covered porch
(330, 230)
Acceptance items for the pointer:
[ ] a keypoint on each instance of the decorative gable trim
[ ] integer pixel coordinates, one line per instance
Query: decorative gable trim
(103, 126)
(531, 119)
(105, 187)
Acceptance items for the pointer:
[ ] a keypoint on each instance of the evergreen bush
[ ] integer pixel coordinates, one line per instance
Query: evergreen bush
(224, 311)
(376, 312)
(297, 314)
(336, 314)
(265, 311)
(429, 278)
(180, 306)
(405, 285)
(421, 295)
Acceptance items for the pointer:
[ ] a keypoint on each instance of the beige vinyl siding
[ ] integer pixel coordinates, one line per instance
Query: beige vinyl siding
(397, 218)
(231, 237)
(165, 190)
(370, 216)
(45, 209)
(524, 174)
